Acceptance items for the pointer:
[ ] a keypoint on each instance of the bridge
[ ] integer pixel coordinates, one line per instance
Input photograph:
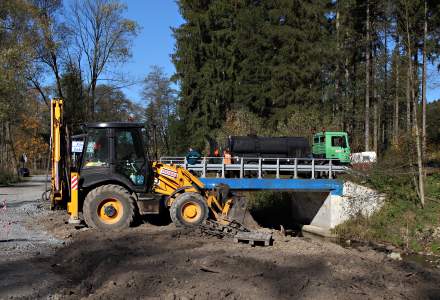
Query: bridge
(317, 196)
(242, 167)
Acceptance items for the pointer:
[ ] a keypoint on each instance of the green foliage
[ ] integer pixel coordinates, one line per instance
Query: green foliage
(433, 122)
(74, 96)
(401, 221)
(260, 57)
(299, 65)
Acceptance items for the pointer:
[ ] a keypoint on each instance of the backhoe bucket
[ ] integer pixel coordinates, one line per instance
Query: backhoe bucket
(238, 209)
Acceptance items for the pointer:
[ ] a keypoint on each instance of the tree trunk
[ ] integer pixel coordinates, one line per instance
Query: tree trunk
(396, 100)
(92, 96)
(425, 33)
(367, 83)
(374, 100)
(421, 187)
(408, 96)
(337, 109)
(346, 95)
(353, 125)
(383, 100)
(375, 127)
(2, 149)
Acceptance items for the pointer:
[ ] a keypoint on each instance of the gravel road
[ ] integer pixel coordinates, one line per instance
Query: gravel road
(42, 257)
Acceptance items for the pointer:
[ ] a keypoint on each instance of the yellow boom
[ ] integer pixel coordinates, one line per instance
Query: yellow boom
(56, 116)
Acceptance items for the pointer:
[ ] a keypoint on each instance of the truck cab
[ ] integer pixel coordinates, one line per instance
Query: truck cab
(331, 145)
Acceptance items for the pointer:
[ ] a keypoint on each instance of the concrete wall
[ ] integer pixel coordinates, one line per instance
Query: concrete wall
(320, 212)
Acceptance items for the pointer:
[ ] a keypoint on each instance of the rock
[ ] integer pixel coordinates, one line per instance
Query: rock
(170, 296)
(363, 248)
(395, 256)
(131, 283)
(390, 248)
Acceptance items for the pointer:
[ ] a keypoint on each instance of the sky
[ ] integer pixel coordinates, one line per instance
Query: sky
(155, 44)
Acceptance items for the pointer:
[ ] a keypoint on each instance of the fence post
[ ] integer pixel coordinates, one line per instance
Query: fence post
(204, 167)
(259, 168)
(278, 168)
(241, 167)
(295, 171)
(313, 168)
(330, 169)
(223, 167)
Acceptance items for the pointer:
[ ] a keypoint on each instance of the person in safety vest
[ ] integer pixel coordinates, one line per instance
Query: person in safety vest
(227, 157)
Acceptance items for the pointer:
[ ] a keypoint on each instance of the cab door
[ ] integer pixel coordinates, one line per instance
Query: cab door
(130, 159)
(338, 143)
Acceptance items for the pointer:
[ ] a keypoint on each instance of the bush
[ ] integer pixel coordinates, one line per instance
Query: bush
(401, 222)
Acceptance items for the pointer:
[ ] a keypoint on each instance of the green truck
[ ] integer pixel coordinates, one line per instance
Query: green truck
(331, 145)
(326, 145)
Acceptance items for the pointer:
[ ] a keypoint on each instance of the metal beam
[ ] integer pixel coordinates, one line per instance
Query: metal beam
(252, 184)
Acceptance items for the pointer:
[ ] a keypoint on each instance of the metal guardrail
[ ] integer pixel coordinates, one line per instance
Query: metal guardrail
(244, 166)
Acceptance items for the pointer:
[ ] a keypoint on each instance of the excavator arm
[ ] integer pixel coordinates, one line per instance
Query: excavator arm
(173, 181)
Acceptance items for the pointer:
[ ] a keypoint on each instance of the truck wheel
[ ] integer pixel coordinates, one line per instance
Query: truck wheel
(109, 207)
(189, 209)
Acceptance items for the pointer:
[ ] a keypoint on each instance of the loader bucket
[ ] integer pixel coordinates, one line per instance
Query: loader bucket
(238, 210)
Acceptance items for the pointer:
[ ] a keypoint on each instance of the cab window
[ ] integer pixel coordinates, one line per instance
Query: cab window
(97, 150)
(128, 147)
(130, 159)
(316, 140)
(322, 139)
(339, 141)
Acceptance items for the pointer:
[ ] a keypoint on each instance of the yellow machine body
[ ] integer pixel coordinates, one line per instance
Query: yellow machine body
(169, 181)
(56, 194)
(171, 178)
(73, 205)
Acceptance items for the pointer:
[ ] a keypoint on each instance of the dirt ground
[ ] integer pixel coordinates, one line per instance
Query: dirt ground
(53, 260)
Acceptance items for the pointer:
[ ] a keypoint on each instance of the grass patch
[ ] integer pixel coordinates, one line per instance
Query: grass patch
(401, 222)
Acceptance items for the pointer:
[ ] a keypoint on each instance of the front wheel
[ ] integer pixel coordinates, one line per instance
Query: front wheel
(188, 210)
(109, 207)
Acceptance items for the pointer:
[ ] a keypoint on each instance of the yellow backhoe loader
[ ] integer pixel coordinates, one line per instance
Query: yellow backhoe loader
(110, 180)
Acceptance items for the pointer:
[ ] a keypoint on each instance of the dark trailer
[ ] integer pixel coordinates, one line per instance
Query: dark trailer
(270, 147)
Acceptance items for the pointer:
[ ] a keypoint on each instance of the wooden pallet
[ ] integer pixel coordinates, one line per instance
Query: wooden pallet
(253, 237)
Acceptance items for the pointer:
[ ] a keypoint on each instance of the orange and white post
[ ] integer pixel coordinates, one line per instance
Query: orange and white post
(72, 206)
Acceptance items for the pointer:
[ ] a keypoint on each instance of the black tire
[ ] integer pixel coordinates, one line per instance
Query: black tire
(178, 205)
(104, 195)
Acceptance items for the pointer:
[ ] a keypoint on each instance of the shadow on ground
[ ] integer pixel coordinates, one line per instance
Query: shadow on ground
(151, 263)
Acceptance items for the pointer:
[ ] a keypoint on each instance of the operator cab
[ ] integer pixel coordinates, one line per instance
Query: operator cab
(331, 145)
(114, 152)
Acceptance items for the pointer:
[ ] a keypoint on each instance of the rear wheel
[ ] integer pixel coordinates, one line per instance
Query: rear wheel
(189, 209)
(109, 207)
